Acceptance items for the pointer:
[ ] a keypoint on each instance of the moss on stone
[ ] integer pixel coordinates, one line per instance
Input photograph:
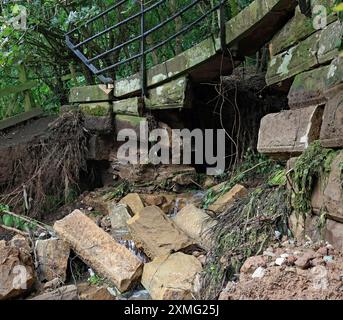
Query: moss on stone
(100, 109)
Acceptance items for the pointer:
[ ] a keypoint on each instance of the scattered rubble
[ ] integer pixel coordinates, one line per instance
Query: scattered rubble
(307, 272)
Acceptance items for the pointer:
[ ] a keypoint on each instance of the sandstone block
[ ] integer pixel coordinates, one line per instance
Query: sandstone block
(196, 223)
(64, 293)
(156, 233)
(289, 133)
(228, 198)
(90, 94)
(52, 255)
(134, 202)
(331, 134)
(99, 250)
(334, 234)
(333, 192)
(172, 277)
(308, 88)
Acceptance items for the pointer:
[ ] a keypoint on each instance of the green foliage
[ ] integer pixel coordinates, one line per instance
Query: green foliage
(96, 280)
(312, 165)
(4, 207)
(120, 190)
(254, 165)
(9, 220)
(278, 179)
(41, 47)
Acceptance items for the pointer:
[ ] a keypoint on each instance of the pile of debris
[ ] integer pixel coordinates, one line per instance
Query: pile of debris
(145, 246)
(290, 270)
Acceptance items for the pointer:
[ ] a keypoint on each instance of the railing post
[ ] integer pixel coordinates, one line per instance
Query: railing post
(143, 55)
(28, 105)
(222, 25)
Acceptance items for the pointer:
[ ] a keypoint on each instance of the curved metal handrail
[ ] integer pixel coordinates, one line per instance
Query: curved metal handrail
(80, 47)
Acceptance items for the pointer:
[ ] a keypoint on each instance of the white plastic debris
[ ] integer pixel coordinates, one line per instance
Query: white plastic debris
(280, 261)
(259, 273)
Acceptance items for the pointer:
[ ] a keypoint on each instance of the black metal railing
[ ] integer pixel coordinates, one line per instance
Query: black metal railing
(105, 58)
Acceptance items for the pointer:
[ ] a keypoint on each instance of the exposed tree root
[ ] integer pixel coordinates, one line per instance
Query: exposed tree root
(50, 175)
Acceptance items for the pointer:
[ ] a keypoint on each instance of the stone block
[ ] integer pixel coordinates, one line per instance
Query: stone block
(289, 133)
(98, 249)
(333, 192)
(134, 202)
(298, 28)
(171, 95)
(157, 234)
(228, 198)
(52, 255)
(334, 234)
(14, 263)
(172, 277)
(66, 293)
(94, 93)
(196, 223)
(320, 48)
(308, 88)
(100, 147)
(331, 134)
(97, 116)
(129, 106)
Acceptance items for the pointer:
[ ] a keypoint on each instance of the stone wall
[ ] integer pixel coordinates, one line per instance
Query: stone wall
(307, 63)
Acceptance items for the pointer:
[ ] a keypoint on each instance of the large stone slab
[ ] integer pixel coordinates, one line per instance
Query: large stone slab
(95, 93)
(331, 134)
(316, 86)
(319, 48)
(52, 255)
(172, 277)
(299, 28)
(333, 193)
(156, 233)
(256, 24)
(289, 133)
(97, 249)
(173, 94)
(196, 223)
